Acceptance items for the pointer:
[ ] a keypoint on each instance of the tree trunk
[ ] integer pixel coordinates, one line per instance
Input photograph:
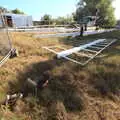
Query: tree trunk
(81, 31)
(85, 27)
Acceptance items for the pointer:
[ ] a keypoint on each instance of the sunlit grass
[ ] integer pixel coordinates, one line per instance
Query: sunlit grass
(72, 88)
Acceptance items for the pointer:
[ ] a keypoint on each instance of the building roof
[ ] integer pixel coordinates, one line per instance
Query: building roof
(11, 14)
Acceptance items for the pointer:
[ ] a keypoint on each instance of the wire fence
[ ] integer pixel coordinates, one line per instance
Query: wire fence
(5, 43)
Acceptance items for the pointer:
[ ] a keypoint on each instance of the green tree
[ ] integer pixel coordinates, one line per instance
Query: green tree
(2, 9)
(46, 19)
(60, 21)
(101, 8)
(74, 17)
(17, 11)
(64, 20)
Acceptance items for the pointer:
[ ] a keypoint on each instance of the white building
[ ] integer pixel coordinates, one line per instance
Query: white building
(18, 20)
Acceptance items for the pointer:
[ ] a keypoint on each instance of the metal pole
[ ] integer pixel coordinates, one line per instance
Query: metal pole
(7, 34)
(76, 49)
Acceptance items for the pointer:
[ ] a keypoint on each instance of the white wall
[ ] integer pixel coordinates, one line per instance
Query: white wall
(20, 20)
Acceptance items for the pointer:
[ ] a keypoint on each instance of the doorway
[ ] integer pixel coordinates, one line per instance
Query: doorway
(9, 21)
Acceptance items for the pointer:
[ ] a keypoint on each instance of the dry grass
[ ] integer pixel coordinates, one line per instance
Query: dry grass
(73, 93)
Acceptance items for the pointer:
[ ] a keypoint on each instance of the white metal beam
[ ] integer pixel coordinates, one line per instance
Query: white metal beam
(50, 50)
(5, 58)
(76, 49)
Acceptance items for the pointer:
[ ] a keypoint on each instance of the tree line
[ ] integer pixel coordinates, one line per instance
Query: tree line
(101, 10)
(48, 20)
(14, 11)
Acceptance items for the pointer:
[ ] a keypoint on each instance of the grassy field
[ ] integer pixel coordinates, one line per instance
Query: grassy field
(91, 92)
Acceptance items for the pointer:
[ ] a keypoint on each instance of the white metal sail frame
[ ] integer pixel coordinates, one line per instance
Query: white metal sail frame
(89, 51)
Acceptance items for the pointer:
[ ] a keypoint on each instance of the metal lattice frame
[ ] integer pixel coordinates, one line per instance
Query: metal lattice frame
(6, 45)
(88, 51)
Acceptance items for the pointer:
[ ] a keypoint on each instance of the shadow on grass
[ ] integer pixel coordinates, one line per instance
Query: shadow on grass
(66, 81)
(60, 87)
(106, 79)
(83, 40)
(113, 50)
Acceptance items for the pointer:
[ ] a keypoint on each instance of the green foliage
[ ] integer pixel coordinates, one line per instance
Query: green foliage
(74, 16)
(64, 20)
(46, 19)
(17, 11)
(105, 11)
(2, 9)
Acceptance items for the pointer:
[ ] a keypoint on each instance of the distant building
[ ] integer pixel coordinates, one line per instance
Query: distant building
(17, 20)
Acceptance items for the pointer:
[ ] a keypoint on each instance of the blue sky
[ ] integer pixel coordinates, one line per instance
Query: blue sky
(37, 8)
